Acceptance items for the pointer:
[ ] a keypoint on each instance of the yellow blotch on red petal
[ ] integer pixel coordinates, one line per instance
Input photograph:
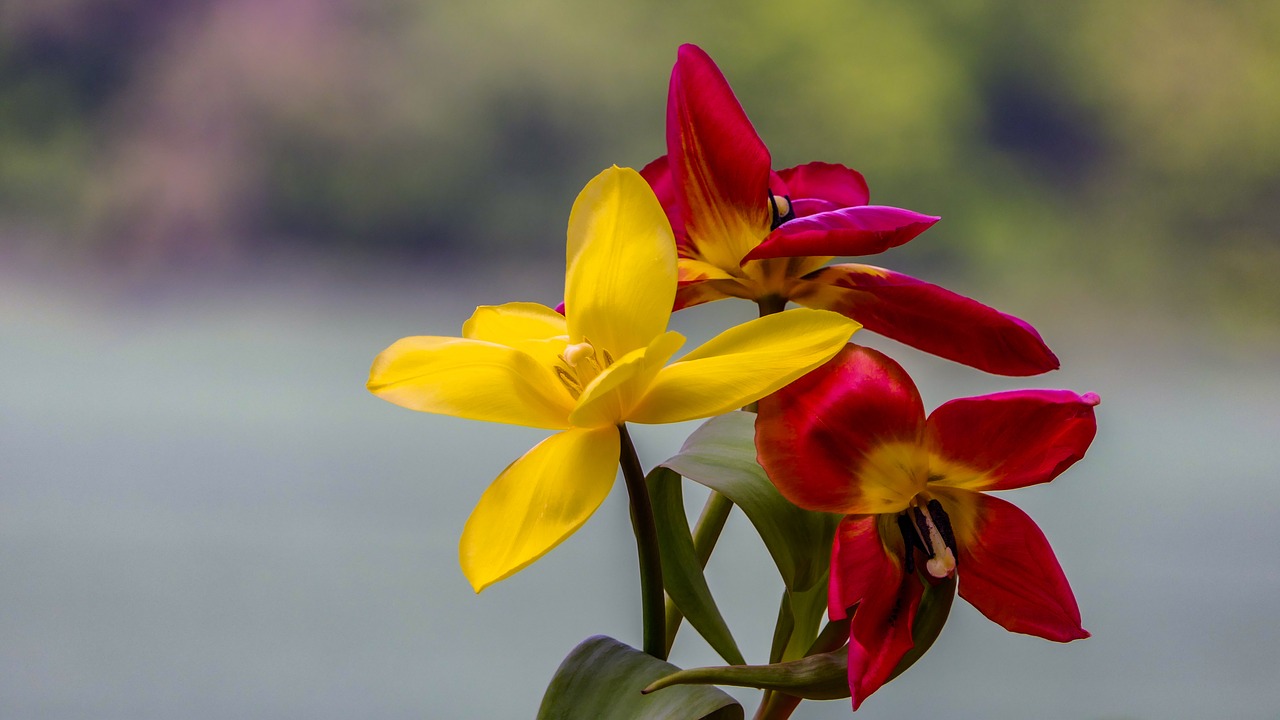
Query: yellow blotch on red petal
(889, 476)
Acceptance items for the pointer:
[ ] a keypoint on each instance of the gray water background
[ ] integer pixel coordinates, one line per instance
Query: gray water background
(203, 514)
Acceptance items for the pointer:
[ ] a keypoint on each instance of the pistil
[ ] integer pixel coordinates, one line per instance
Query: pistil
(576, 353)
(926, 527)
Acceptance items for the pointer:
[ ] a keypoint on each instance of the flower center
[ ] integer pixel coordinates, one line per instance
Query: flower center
(582, 364)
(782, 212)
(925, 527)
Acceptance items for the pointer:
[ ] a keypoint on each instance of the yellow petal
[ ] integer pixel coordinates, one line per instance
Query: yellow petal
(537, 502)
(610, 397)
(621, 278)
(743, 364)
(514, 322)
(535, 329)
(470, 379)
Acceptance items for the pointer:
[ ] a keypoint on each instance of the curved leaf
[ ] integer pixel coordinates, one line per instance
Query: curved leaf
(681, 572)
(799, 618)
(721, 454)
(818, 677)
(602, 679)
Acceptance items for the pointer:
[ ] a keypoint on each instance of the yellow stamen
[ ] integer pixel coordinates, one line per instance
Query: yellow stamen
(781, 206)
(583, 365)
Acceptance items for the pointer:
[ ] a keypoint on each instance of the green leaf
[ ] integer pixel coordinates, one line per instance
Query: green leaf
(818, 677)
(805, 611)
(681, 572)
(601, 679)
(721, 454)
(796, 635)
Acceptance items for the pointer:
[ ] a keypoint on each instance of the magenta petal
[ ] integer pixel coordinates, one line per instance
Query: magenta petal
(929, 318)
(864, 230)
(658, 175)
(1016, 438)
(804, 207)
(1009, 573)
(720, 165)
(812, 436)
(837, 184)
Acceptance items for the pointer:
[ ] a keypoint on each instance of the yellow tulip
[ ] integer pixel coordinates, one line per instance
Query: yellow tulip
(586, 372)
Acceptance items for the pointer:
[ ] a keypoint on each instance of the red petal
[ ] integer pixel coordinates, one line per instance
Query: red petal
(888, 599)
(929, 318)
(837, 184)
(864, 230)
(813, 435)
(658, 175)
(720, 166)
(860, 562)
(1016, 438)
(1009, 573)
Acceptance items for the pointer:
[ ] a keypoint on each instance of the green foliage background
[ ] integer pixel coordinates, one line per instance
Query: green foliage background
(1130, 150)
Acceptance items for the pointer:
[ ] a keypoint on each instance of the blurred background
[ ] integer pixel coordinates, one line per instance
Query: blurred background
(214, 214)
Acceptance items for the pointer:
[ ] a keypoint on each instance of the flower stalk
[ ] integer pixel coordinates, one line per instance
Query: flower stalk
(642, 522)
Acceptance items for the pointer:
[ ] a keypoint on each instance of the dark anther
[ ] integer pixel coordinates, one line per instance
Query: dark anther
(943, 523)
(780, 214)
(910, 539)
(570, 382)
(924, 532)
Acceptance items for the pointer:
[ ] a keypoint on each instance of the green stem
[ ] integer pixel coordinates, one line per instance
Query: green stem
(770, 304)
(651, 592)
(778, 706)
(705, 534)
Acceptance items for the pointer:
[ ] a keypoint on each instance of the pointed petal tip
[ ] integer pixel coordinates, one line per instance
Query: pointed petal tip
(538, 502)
(1065, 634)
(479, 582)
(1048, 360)
(692, 51)
(1091, 399)
(929, 318)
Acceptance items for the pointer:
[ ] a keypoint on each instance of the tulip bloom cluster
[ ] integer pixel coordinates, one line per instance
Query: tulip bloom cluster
(841, 439)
